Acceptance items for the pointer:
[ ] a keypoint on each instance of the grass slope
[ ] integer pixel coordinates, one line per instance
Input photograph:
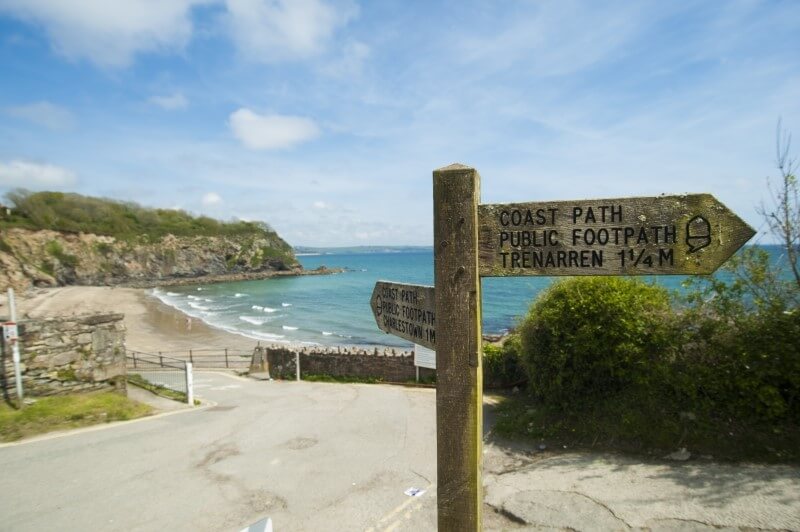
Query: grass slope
(67, 412)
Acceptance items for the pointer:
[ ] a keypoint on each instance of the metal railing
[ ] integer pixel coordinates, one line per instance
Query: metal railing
(211, 358)
(161, 374)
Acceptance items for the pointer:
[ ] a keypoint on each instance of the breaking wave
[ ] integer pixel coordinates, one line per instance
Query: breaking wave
(253, 320)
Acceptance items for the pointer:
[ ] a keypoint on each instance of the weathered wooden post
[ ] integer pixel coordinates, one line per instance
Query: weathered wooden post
(663, 235)
(459, 389)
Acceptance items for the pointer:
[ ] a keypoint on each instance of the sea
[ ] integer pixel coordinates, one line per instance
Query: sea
(334, 309)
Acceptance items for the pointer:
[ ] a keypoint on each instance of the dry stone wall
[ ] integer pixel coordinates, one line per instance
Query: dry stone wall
(67, 355)
(389, 365)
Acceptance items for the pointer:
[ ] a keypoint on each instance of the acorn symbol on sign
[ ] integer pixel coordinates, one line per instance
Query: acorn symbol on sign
(698, 233)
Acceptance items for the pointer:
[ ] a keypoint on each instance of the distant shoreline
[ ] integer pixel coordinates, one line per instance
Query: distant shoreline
(228, 277)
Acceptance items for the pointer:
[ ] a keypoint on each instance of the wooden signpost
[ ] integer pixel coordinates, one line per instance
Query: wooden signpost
(689, 234)
(405, 310)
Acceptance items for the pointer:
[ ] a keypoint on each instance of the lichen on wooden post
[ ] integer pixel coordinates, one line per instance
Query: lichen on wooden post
(456, 191)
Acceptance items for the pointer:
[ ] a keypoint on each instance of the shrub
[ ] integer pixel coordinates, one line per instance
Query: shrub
(104, 248)
(48, 268)
(54, 248)
(750, 282)
(741, 352)
(588, 337)
(748, 369)
(502, 366)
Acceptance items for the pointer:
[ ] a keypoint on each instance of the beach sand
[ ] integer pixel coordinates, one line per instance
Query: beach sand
(151, 326)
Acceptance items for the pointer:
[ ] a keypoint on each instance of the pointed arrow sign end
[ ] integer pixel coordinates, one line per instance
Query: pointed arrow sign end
(726, 230)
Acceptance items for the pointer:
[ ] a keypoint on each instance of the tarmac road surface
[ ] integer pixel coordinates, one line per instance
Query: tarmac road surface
(316, 456)
(313, 456)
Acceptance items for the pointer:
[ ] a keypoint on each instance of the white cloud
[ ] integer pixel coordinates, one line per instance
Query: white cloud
(268, 132)
(111, 33)
(108, 33)
(211, 198)
(27, 174)
(319, 205)
(44, 114)
(170, 102)
(553, 39)
(275, 30)
(351, 62)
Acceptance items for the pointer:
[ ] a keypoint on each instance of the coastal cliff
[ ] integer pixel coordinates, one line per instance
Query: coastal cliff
(53, 239)
(50, 258)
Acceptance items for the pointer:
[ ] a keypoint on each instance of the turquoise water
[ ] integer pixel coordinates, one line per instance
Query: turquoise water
(334, 309)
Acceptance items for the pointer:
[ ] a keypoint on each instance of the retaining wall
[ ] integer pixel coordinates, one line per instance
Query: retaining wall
(67, 355)
(390, 365)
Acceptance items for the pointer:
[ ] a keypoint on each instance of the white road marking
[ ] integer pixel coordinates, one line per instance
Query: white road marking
(386, 524)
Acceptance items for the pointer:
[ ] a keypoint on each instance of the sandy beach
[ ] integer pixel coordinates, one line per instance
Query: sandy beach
(151, 326)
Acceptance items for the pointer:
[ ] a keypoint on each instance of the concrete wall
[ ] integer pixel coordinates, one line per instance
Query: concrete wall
(389, 365)
(67, 355)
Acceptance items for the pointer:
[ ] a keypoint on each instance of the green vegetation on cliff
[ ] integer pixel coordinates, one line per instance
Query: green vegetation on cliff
(54, 238)
(73, 213)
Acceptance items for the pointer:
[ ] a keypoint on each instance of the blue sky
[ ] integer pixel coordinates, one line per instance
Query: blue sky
(326, 118)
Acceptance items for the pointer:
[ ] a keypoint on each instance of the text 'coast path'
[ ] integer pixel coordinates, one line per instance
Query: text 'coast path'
(688, 234)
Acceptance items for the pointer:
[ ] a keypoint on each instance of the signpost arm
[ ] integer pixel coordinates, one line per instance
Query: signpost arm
(459, 391)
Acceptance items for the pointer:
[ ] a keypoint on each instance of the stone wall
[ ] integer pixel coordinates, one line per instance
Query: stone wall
(389, 365)
(67, 355)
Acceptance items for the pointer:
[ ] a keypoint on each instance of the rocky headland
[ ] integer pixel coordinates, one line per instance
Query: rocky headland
(48, 258)
(53, 239)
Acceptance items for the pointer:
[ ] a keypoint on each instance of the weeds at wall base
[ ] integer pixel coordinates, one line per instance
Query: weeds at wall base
(163, 391)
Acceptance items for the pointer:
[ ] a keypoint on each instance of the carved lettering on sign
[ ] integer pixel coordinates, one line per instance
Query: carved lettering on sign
(690, 234)
(406, 310)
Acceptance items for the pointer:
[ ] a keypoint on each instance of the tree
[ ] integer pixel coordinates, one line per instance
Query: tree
(783, 213)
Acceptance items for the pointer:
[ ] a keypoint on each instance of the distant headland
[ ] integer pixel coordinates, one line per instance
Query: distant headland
(347, 250)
